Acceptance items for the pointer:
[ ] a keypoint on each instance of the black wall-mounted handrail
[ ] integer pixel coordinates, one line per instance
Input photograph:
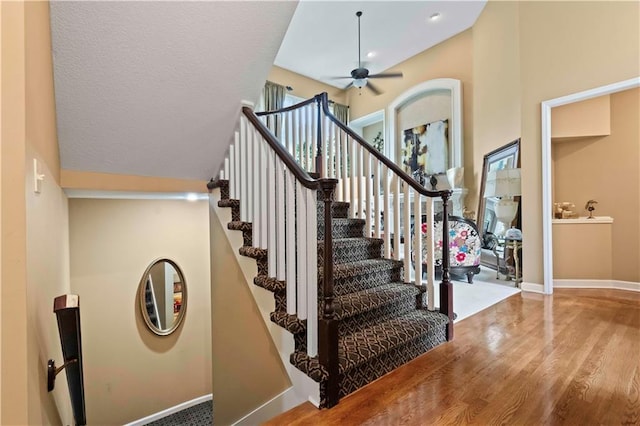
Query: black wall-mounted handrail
(67, 310)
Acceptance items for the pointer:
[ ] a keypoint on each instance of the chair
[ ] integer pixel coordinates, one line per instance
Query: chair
(465, 247)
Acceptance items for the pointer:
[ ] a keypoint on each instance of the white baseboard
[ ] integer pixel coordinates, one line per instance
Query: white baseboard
(277, 405)
(533, 288)
(615, 284)
(171, 410)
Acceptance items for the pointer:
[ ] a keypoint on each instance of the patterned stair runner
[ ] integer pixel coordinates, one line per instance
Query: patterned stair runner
(381, 325)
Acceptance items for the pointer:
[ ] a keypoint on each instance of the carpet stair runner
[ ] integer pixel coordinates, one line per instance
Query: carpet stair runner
(381, 322)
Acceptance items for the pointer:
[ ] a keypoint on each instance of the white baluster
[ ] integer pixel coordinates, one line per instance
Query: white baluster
(295, 131)
(430, 252)
(406, 233)
(262, 211)
(361, 183)
(290, 231)
(243, 172)
(345, 165)
(353, 207)
(310, 137)
(271, 212)
(337, 161)
(316, 125)
(280, 228)
(387, 211)
(325, 148)
(312, 274)
(417, 237)
(301, 250)
(367, 199)
(331, 170)
(396, 216)
(255, 203)
(376, 196)
(236, 168)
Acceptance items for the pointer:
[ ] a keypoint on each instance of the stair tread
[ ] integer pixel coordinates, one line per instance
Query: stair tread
(355, 303)
(238, 225)
(349, 269)
(362, 345)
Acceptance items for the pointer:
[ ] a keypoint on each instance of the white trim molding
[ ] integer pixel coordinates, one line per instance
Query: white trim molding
(532, 288)
(171, 410)
(455, 119)
(547, 243)
(615, 284)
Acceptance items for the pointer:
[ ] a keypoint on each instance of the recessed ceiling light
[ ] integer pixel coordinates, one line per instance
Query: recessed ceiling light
(434, 17)
(192, 197)
(371, 54)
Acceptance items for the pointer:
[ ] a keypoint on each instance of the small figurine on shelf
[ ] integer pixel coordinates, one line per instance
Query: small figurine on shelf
(589, 206)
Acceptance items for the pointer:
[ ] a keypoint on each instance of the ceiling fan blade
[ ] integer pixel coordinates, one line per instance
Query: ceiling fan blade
(386, 75)
(350, 85)
(338, 78)
(373, 88)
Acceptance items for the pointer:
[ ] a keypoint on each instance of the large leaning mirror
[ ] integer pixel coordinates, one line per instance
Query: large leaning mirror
(499, 203)
(500, 185)
(162, 296)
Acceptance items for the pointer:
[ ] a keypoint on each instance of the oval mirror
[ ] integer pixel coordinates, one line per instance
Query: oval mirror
(162, 296)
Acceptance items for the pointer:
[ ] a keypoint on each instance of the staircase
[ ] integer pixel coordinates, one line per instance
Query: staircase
(370, 318)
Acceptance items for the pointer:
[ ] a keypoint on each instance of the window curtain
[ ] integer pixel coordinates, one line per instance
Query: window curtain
(341, 112)
(273, 96)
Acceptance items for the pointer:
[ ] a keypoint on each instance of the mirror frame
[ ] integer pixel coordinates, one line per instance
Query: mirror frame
(512, 148)
(142, 301)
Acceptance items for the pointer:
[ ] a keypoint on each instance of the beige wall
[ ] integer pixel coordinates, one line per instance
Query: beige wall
(13, 371)
(449, 59)
(579, 119)
(606, 169)
(47, 225)
(565, 47)
(370, 132)
(304, 87)
(247, 369)
(126, 366)
(582, 251)
(496, 87)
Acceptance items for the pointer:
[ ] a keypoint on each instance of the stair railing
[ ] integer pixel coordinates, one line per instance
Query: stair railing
(279, 199)
(372, 184)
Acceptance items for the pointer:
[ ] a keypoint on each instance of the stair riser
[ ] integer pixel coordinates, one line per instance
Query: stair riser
(382, 313)
(340, 229)
(337, 210)
(352, 251)
(362, 375)
(365, 280)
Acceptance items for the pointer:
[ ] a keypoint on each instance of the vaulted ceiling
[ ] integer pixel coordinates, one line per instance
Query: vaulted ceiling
(154, 88)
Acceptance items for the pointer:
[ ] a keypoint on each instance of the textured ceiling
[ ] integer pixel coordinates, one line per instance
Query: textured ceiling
(154, 88)
(322, 39)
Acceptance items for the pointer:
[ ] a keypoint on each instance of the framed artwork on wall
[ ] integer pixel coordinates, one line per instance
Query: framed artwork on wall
(424, 151)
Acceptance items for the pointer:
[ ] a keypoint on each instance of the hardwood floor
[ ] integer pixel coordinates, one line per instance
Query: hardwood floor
(571, 358)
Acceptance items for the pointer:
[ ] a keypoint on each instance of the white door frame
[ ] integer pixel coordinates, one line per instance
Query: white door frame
(547, 241)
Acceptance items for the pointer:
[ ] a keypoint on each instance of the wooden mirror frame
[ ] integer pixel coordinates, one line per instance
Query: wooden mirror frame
(512, 148)
(142, 301)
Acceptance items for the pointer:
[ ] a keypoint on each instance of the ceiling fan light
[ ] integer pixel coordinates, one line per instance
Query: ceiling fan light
(360, 82)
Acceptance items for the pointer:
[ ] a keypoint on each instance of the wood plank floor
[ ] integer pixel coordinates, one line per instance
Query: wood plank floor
(571, 358)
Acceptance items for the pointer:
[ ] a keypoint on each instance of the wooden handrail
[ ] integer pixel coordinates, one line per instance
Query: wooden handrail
(289, 108)
(302, 176)
(384, 160)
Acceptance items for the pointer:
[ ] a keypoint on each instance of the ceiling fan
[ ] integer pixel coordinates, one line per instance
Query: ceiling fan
(361, 75)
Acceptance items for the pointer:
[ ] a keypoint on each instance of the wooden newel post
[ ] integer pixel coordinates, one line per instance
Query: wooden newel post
(446, 288)
(327, 325)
